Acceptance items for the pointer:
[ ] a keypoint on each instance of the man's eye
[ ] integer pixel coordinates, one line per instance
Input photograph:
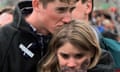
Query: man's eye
(62, 10)
(72, 9)
(65, 56)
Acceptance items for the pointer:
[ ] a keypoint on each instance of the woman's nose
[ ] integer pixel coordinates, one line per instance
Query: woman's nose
(72, 63)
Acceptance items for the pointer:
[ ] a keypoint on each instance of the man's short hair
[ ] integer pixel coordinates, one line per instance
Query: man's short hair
(83, 1)
(45, 2)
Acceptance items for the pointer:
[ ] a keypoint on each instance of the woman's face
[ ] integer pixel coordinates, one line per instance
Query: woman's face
(71, 59)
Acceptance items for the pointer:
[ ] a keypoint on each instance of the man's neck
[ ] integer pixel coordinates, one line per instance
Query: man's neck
(33, 21)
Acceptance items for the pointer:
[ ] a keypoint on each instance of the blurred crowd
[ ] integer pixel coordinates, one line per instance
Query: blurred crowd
(107, 22)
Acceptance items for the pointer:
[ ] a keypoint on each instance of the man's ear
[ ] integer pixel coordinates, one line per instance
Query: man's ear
(36, 5)
(89, 6)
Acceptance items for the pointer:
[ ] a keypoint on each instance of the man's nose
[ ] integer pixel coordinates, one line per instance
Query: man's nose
(67, 17)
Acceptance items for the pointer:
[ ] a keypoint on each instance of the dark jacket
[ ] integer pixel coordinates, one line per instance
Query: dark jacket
(15, 38)
(105, 63)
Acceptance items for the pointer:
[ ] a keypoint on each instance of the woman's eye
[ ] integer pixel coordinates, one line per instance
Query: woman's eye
(65, 56)
(78, 56)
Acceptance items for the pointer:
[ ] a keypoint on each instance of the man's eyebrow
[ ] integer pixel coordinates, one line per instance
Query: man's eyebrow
(66, 8)
(72, 8)
(62, 7)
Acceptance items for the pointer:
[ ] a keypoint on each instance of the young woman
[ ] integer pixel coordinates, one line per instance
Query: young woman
(74, 48)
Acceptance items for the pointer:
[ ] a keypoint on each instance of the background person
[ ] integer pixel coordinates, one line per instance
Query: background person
(74, 48)
(6, 16)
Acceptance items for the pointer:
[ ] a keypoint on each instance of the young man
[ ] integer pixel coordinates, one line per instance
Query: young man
(83, 11)
(25, 40)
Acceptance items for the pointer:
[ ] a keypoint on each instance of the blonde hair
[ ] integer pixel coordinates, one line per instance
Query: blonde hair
(78, 34)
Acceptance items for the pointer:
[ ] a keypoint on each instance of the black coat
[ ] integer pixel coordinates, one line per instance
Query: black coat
(16, 37)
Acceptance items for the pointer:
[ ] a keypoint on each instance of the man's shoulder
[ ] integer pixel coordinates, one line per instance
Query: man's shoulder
(6, 33)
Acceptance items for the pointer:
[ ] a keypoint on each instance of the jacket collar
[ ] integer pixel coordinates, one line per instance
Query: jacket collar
(23, 9)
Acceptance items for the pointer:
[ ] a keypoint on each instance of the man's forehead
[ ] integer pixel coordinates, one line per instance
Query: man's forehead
(69, 1)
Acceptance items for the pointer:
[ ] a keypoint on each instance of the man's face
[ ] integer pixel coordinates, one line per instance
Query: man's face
(55, 15)
(82, 10)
